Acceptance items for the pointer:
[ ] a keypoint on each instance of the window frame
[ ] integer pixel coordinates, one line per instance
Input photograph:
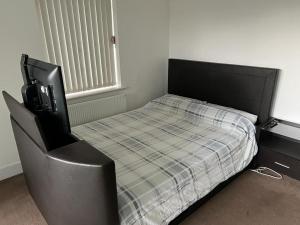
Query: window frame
(118, 85)
(116, 55)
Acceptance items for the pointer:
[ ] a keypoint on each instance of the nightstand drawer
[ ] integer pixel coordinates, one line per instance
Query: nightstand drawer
(280, 162)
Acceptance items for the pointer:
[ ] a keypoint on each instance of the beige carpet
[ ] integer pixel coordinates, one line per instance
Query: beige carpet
(249, 200)
(16, 205)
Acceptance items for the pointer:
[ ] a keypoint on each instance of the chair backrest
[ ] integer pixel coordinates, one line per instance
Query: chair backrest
(26, 120)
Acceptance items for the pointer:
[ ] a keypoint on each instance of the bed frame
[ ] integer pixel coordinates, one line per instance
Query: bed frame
(76, 184)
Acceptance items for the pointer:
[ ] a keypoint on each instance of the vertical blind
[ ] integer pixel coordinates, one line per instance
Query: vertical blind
(79, 36)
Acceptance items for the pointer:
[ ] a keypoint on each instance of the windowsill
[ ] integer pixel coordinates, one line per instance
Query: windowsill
(92, 94)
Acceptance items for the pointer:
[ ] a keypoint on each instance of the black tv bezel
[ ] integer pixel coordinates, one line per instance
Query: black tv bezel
(54, 119)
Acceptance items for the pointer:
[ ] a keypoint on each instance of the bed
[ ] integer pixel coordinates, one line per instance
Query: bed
(151, 165)
(169, 154)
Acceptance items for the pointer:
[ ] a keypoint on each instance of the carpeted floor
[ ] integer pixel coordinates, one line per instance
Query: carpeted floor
(249, 200)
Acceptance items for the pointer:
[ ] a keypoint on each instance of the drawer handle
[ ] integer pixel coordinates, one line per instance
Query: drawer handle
(279, 164)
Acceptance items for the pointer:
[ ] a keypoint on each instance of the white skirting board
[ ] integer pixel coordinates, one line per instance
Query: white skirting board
(88, 111)
(10, 170)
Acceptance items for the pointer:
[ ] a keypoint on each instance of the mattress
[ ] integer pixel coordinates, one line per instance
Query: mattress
(169, 154)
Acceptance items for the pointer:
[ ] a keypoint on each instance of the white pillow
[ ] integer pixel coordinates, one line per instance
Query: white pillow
(249, 116)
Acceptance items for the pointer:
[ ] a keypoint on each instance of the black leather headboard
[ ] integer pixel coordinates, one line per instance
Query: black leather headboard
(246, 88)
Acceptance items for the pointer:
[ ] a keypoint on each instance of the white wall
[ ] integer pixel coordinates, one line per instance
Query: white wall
(143, 27)
(143, 37)
(259, 33)
(20, 33)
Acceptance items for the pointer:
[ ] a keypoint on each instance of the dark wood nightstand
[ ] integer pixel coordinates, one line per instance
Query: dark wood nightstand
(279, 148)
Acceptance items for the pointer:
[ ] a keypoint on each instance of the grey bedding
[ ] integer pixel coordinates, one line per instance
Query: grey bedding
(169, 154)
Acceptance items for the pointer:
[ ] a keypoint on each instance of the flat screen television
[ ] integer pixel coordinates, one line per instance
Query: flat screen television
(43, 94)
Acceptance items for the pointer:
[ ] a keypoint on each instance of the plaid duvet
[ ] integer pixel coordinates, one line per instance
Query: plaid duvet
(169, 154)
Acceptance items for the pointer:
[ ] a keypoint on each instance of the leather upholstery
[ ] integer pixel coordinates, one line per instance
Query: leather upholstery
(246, 88)
(73, 184)
(26, 119)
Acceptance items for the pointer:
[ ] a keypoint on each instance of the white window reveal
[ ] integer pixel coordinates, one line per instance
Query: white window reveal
(80, 36)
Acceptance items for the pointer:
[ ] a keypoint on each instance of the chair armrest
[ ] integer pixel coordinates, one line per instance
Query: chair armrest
(83, 185)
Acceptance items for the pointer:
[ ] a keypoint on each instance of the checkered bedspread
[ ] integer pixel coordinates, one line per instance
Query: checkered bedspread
(169, 154)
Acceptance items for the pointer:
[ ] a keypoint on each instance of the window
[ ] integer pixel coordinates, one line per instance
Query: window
(80, 36)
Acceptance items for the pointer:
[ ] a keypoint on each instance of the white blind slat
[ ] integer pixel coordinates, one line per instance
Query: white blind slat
(102, 43)
(84, 34)
(55, 36)
(82, 73)
(64, 44)
(107, 41)
(74, 41)
(110, 44)
(90, 34)
(78, 37)
(43, 12)
(97, 43)
(70, 49)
